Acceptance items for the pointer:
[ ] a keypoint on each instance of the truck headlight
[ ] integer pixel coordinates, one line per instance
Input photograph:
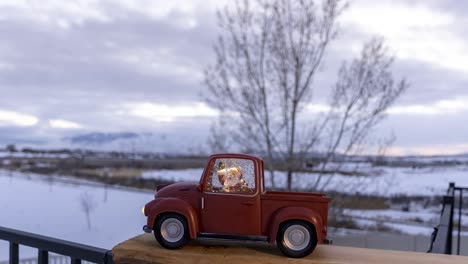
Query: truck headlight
(143, 210)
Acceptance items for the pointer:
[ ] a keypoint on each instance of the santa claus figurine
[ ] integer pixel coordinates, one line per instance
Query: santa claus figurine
(231, 179)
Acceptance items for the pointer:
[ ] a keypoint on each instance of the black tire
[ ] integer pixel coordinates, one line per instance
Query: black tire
(171, 231)
(296, 239)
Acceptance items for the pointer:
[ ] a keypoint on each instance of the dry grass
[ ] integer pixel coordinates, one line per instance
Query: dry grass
(359, 202)
(112, 172)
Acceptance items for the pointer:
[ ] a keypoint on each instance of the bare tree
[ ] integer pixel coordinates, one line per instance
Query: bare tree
(267, 57)
(218, 142)
(87, 205)
(363, 91)
(382, 147)
(11, 148)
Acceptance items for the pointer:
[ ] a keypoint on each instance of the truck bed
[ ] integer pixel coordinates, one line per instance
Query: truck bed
(272, 202)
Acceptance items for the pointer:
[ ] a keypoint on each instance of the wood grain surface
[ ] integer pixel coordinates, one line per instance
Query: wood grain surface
(144, 249)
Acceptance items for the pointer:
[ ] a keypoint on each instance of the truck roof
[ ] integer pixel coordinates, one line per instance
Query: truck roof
(236, 155)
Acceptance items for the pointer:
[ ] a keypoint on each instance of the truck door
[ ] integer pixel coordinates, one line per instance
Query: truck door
(230, 199)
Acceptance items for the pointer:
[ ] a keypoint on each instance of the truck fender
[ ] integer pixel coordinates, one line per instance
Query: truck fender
(295, 213)
(173, 205)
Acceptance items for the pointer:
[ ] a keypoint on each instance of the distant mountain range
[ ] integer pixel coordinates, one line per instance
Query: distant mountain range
(173, 142)
(100, 138)
(136, 142)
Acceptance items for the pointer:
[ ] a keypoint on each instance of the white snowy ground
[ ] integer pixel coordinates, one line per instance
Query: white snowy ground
(383, 181)
(414, 222)
(4, 154)
(36, 204)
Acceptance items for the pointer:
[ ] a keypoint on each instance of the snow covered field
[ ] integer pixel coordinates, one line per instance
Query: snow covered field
(39, 205)
(382, 181)
(49, 206)
(417, 221)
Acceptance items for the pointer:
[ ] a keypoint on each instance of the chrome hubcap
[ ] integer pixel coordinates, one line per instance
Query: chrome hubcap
(296, 237)
(172, 230)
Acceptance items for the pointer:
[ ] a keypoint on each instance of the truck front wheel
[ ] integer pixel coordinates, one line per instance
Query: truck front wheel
(296, 239)
(171, 231)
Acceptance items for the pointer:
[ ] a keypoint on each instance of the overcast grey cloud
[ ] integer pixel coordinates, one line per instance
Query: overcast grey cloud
(70, 67)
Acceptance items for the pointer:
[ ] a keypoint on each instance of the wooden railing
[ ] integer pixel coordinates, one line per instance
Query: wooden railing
(442, 236)
(53, 259)
(75, 251)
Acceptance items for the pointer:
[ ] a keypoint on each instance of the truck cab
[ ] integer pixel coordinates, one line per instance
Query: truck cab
(230, 202)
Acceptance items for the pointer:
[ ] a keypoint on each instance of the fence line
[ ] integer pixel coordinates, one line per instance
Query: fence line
(442, 238)
(45, 245)
(53, 259)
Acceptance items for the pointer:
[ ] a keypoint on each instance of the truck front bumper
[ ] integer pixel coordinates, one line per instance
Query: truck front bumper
(147, 229)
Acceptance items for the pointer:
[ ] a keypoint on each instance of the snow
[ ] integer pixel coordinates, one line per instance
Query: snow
(185, 175)
(39, 205)
(400, 227)
(52, 206)
(383, 181)
(431, 159)
(387, 181)
(404, 222)
(411, 229)
(4, 154)
(395, 215)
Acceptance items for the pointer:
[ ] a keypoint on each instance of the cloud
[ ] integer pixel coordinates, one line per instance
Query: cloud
(6, 66)
(65, 15)
(136, 65)
(159, 61)
(441, 107)
(318, 108)
(414, 31)
(10, 118)
(167, 113)
(429, 150)
(65, 124)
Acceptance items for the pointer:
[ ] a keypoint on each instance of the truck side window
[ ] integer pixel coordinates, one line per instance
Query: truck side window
(232, 175)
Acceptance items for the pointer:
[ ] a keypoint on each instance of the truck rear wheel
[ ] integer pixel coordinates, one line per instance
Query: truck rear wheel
(171, 231)
(296, 239)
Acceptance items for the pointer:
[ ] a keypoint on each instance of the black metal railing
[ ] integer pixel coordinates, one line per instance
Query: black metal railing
(442, 237)
(77, 252)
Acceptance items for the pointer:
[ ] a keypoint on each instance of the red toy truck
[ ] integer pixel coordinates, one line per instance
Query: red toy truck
(230, 202)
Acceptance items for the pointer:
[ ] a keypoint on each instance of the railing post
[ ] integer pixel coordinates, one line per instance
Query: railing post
(448, 246)
(460, 202)
(75, 261)
(108, 258)
(442, 237)
(43, 257)
(14, 253)
(450, 224)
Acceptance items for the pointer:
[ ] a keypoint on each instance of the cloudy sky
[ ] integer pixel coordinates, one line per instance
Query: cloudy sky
(72, 67)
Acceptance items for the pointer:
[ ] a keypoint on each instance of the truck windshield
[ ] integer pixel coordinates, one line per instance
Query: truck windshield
(232, 175)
